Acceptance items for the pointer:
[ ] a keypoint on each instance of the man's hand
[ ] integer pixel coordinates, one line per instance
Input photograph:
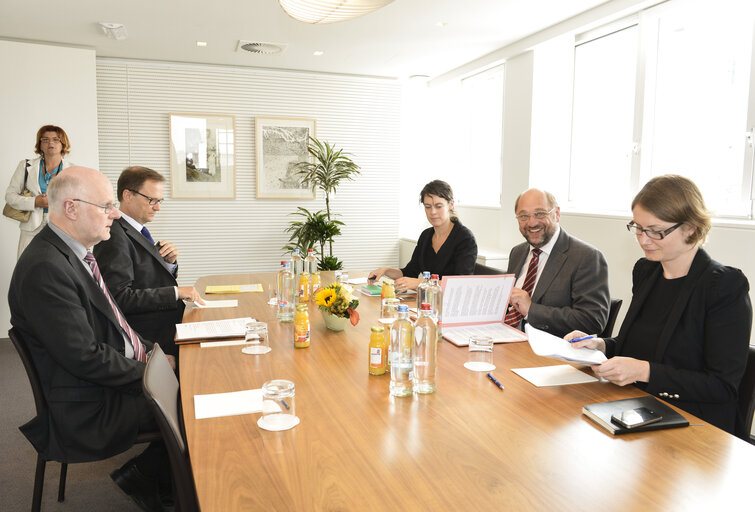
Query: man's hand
(40, 201)
(190, 293)
(520, 300)
(168, 251)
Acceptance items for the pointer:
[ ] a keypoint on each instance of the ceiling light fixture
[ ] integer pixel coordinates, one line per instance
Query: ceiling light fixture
(317, 53)
(201, 44)
(115, 31)
(330, 11)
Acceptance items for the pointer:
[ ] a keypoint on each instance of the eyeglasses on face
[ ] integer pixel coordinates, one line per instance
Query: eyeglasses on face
(152, 200)
(524, 217)
(635, 228)
(107, 208)
(47, 140)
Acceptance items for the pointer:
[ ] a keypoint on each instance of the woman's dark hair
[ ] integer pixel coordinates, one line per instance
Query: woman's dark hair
(441, 189)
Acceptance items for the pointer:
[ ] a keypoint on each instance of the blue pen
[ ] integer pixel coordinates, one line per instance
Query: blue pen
(582, 339)
(495, 381)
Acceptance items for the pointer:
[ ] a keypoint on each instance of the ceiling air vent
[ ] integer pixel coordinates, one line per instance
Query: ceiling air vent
(260, 48)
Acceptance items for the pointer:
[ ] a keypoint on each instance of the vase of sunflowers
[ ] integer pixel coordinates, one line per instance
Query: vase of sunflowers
(337, 305)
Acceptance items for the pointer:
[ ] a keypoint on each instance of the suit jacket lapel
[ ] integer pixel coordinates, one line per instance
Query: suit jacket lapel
(556, 260)
(142, 241)
(699, 264)
(520, 254)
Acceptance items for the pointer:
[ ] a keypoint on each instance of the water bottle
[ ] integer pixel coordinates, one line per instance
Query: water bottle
(402, 346)
(285, 293)
(436, 301)
(310, 265)
(425, 351)
(422, 289)
(297, 263)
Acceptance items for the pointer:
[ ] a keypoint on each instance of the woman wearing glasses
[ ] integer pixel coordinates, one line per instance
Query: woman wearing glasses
(27, 190)
(686, 333)
(445, 248)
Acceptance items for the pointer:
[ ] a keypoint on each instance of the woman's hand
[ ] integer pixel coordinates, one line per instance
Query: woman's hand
(623, 370)
(406, 283)
(376, 274)
(40, 201)
(594, 343)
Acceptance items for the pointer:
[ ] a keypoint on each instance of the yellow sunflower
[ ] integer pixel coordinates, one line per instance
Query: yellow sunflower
(326, 297)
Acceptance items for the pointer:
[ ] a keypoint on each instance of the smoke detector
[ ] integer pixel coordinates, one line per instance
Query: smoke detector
(260, 47)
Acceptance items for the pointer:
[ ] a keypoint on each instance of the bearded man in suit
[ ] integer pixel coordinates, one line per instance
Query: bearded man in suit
(566, 286)
(89, 359)
(140, 272)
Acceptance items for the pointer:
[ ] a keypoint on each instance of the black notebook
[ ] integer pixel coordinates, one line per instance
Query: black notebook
(601, 414)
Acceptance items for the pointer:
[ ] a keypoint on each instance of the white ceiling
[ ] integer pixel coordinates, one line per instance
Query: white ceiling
(399, 40)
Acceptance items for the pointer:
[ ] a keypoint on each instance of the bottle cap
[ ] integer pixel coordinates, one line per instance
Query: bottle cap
(434, 276)
(426, 274)
(301, 307)
(310, 250)
(377, 328)
(286, 264)
(283, 262)
(425, 307)
(403, 308)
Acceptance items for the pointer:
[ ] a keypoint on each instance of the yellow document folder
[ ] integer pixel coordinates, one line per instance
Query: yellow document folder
(233, 288)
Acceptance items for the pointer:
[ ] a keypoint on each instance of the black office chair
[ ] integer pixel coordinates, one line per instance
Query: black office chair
(484, 270)
(161, 390)
(41, 405)
(747, 399)
(613, 312)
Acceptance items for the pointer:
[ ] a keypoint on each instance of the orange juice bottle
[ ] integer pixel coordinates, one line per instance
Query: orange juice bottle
(301, 326)
(304, 287)
(388, 291)
(378, 350)
(314, 284)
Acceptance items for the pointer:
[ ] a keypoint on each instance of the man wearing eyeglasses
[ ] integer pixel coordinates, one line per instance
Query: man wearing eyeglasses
(561, 281)
(139, 271)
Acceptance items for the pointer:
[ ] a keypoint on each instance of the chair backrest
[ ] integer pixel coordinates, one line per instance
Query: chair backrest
(161, 390)
(484, 270)
(613, 312)
(747, 399)
(31, 370)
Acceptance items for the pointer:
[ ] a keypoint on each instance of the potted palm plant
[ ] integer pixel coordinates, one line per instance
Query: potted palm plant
(329, 166)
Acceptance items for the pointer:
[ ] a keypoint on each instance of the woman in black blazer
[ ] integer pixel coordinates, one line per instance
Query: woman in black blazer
(445, 248)
(687, 331)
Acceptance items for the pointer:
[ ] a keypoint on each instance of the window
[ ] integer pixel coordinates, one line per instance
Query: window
(669, 93)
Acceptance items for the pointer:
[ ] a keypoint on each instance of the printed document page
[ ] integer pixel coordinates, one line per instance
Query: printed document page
(475, 299)
(547, 345)
(500, 332)
(232, 327)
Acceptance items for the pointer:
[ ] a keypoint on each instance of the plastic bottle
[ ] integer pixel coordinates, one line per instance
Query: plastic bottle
(285, 293)
(425, 351)
(301, 326)
(378, 351)
(436, 301)
(402, 347)
(297, 263)
(422, 289)
(310, 265)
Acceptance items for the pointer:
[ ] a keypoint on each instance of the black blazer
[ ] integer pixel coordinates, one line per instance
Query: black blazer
(142, 286)
(93, 391)
(456, 256)
(701, 353)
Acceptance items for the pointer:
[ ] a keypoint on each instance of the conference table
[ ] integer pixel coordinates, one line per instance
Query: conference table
(468, 446)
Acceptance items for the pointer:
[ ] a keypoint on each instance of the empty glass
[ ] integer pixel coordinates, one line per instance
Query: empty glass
(480, 357)
(278, 405)
(389, 311)
(256, 338)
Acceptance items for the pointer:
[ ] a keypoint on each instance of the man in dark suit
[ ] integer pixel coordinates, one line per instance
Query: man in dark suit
(562, 282)
(90, 361)
(140, 273)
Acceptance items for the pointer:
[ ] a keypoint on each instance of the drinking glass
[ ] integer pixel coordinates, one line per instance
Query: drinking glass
(480, 357)
(278, 405)
(388, 311)
(256, 338)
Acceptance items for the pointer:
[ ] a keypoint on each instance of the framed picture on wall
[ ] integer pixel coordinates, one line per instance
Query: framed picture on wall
(281, 143)
(202, 156)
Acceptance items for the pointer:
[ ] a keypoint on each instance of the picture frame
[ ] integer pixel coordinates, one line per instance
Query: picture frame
(202, 156)
(281, 143)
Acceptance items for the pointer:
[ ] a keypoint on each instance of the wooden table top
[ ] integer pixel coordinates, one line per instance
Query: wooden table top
(467, 446)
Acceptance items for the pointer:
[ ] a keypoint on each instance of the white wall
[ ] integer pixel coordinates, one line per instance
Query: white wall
(41, 84)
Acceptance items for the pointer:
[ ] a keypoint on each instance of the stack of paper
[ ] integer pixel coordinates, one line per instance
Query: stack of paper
(230, 328)
(547, 345)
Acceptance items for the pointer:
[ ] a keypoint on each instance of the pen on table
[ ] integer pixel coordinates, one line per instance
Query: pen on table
(582, 338)
(495, 381)
(288, 407)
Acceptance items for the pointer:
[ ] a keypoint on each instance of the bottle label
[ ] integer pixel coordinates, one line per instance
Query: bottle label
(376, 357)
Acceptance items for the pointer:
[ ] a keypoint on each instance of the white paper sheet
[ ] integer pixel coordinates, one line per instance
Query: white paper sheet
(500, 332)
(228, 328)
(471, 299)
(217, 304)
(559, 375)
(547, 345)
(225, 343)
(357, 280)
(231, 404)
